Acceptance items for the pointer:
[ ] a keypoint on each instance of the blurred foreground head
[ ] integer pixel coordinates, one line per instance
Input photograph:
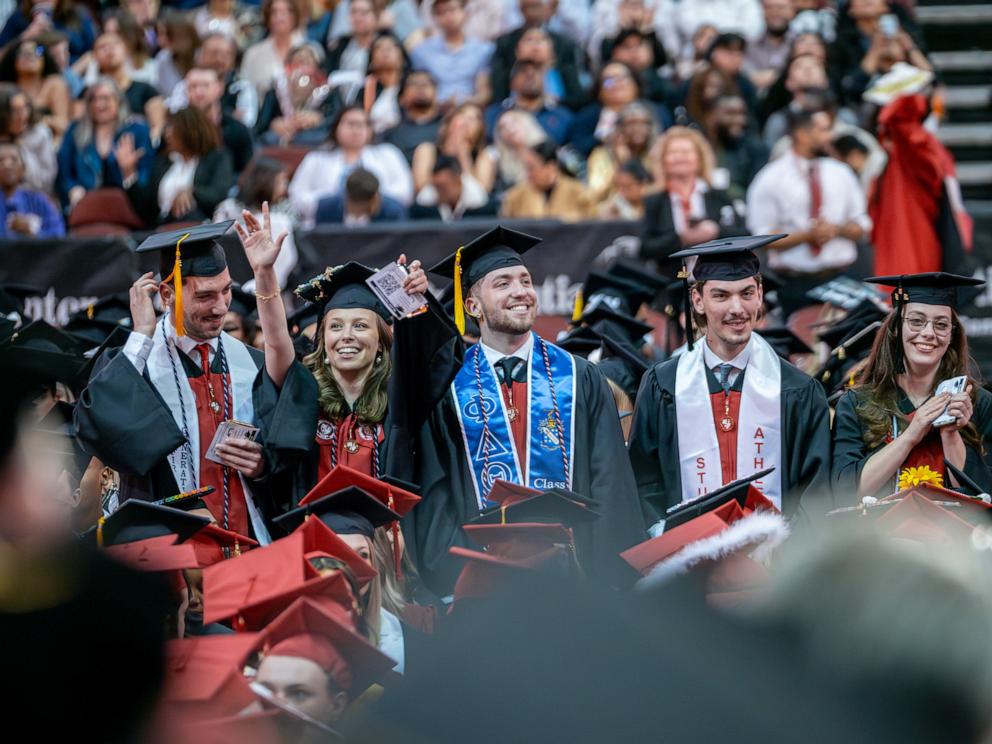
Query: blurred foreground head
(903, 619)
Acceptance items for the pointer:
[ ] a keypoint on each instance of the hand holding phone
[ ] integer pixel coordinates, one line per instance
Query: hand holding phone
(952, 387)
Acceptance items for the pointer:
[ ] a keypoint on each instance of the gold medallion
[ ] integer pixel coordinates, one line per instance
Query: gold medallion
(352, 446)
(727, 423)
(215, 406)
(512, 413)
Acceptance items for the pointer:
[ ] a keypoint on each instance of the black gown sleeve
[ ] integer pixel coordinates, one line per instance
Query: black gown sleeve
(806, 450)
(978, 465)
(850, 451)
(122, 420)
(644, 447)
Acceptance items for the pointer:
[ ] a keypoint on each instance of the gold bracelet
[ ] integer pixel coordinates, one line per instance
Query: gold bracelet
(266, 298)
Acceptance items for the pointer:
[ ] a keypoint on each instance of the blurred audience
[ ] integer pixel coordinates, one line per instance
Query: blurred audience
(361, 203)
(204, 89)
(528, 93)
(29, 66)
(462, 135)
(420, 118)
(739, 152)
(264, 59)
(633, 138)
(19, 124)
(27, 213)
(33, 17)
(451, 194)
(458, 62)
(766, 56)
(299, 107)
(630, 182)
(516, 132)
(547, 192)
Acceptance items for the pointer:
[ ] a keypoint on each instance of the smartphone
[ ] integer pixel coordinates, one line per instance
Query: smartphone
(952, 386)
(888, 24)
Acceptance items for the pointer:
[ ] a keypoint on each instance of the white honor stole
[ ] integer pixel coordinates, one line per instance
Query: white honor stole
(242, 369)
(759, 424)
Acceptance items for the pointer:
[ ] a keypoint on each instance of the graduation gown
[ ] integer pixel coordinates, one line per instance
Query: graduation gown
(805, 441)
(850, 453)
(426, 354)
(122, 419)
(600, 471)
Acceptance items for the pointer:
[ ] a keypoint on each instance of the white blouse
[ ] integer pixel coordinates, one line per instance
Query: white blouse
(177, 179)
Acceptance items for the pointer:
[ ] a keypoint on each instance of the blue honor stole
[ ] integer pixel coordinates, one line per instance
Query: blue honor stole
(489, 445)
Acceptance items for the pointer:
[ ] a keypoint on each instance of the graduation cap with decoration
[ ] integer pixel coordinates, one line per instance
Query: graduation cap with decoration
(213, 544)
(187, 252)
(498, 248)
(724, 259)
(342, 287)
(931, 288)
(95, 322)
(141, 520)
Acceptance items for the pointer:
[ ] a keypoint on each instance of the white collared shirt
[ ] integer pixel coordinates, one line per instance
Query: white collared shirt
(738, 363)
(524, 352)
(778, 201)
(138, 346)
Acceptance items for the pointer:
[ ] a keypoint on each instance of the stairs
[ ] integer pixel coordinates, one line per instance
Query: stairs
(958, 34)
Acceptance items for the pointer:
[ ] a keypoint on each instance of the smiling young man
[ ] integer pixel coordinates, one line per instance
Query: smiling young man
(152, 407)
(521, 410)
(730, 406)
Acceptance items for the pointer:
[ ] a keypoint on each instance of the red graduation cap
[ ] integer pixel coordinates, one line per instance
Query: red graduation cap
(918, 518)
(306, 631)
(507, 494)
(154, 554)
(972, 507)
(644, 556)
(204, 675)
(318, 538)
(211, 541)
(399, 499)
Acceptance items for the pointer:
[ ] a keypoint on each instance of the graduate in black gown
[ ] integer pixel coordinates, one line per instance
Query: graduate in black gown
(372, 382)
(521, 410)
(152, 407)
(885, 434)
(729, 406)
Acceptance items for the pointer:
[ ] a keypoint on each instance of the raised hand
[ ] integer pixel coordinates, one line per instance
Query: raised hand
(416, 280)
(261, 250)
(127, 155)
(142, 308)
(960, 407)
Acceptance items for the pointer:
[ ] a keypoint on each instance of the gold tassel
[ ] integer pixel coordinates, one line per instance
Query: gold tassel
(459, 298)
(502, 515)
(176, 277)
(578, 307)
(99, 531)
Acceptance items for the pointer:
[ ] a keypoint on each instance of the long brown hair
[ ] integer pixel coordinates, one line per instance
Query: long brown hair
(877, 390)
(370, 408)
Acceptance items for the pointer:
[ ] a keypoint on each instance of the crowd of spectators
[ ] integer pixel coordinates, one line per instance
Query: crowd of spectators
(699, 117)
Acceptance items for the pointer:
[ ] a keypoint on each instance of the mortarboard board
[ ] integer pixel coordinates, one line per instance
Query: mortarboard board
(616, 325)
(394, 493)
(724, 259)
(637, 272)
(140, 520)
(212, 544)
(319, 540)
(46, 352)
(305, 630)
(580, 341)
(342, 287)
(615, 292)
(332, 592)
(350, 511)
(916, 517)
(12, 298)
(95, 322)
(499, 248)
(932, 288)
(191, 251)
(742, 491)
(550, 507)
(784, 341)
(155, 554)
(204, 674)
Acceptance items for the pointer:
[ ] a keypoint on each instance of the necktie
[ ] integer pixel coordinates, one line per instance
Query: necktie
(507, 369)
(725, 370)
(204, 352)
(815, 200)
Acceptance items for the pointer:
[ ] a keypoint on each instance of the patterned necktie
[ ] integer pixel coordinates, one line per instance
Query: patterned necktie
(506, 369)
(725, 370)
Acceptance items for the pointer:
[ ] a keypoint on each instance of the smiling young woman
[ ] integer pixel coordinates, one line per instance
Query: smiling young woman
(884, 425)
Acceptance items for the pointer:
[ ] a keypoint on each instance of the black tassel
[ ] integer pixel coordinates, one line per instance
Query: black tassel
(687, 306)
(897, 304)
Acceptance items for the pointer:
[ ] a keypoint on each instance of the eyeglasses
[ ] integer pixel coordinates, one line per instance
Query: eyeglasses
(941, 326)
(30, 52)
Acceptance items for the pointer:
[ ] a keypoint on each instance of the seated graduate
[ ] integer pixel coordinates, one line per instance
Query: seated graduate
(729, 406)
(887, 429)
(360, 408)
(152, 407)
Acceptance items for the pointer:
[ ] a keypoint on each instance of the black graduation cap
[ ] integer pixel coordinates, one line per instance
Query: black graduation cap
(931, 288)
(638, 273)
(616, 325)
(723, 259)
(499, 248)
(243, 303)
(350, 511)
(12, 297)
(98, 320)
(850, 352)
(734, 491)
(617, 293)
(343, 287)
(784, 341)
(117, 338)
(7, 328)
(555, 506)
(140, 520)
(860, 317)
(301, 318)
(49, 354)
(580, 341)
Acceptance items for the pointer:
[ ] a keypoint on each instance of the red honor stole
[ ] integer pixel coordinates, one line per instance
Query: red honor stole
(727, 408)
(208, 389)
(516, 393)
(929, 452)
(347, 443)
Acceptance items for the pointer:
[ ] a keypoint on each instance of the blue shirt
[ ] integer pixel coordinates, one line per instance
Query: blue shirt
(454, 70)
(556, 121)
(25, 201)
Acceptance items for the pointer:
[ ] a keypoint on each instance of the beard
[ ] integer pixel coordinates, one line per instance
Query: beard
(503, 321)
